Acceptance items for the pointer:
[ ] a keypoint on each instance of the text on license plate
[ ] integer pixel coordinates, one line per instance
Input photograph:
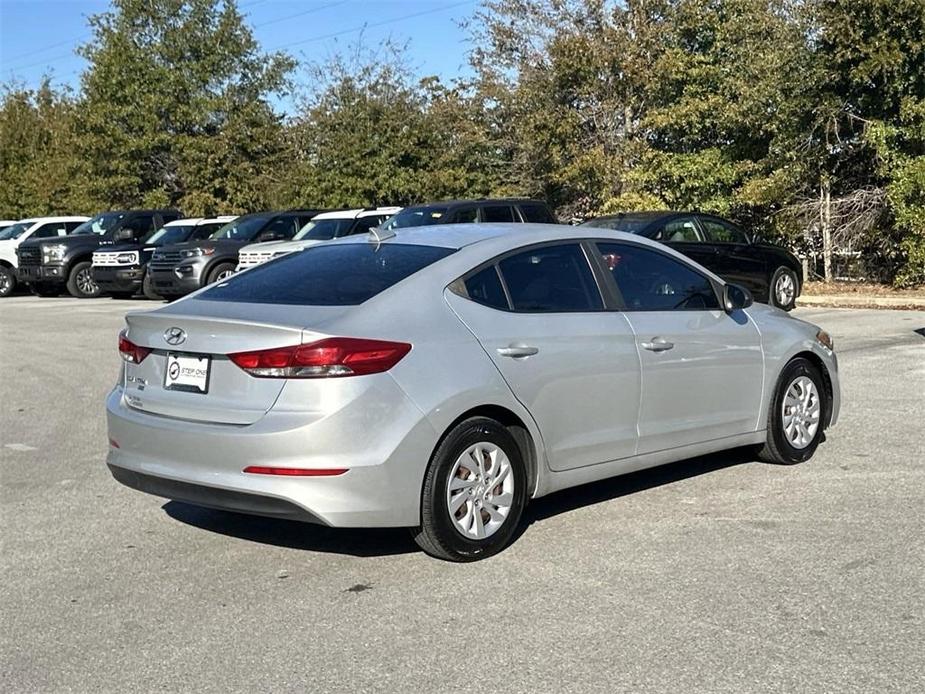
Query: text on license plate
(187, 372)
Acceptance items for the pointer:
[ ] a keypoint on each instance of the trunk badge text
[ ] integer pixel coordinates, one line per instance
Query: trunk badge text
(175, 336)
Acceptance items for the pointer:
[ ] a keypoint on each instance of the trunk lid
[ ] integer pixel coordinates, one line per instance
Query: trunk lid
(232, 396)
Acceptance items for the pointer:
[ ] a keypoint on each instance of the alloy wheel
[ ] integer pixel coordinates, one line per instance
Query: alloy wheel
(85, 282)
(480, 490)
(801, 412)
(6, 284)
(785, 289)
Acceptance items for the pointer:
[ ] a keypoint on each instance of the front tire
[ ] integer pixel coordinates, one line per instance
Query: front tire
(475, 490)
(80, 282)
(784, 289)
(147, 288)
(7, 281)
(221, 272)
(797, 416)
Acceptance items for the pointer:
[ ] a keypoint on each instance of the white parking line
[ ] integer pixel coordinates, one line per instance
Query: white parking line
(19, 447)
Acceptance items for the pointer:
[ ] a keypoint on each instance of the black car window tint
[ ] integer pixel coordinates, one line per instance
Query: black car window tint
(535, 212)
(484, 287)
(497, 213)
(466, 215)
(48, 230)
(652, 281)
(720, 232)
(551, 279)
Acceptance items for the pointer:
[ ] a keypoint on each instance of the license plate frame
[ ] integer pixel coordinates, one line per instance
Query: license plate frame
(178, 377)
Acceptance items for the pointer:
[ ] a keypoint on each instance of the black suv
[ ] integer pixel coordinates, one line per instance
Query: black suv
(121, 270)
(182, 268)
(50, 265)
(771, 273)
(472, 211)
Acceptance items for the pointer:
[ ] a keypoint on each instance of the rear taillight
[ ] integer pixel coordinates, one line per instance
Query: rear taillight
(335, 356)
(131, 352)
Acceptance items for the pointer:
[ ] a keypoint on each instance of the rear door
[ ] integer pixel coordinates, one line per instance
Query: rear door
(540, 317)
(702, 369)
(736, 260)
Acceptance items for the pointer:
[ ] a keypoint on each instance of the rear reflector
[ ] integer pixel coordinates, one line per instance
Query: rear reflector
(332, 357)
(295, 471)
(131, 353)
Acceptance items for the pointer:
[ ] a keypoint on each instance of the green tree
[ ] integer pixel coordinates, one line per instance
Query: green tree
(175, 108)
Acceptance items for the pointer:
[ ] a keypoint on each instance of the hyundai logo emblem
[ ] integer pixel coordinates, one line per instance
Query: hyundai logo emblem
(175, 336)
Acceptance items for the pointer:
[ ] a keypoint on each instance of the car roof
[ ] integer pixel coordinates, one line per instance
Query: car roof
(476, 201)
(37, 220)
(356, 213)
(196, 221)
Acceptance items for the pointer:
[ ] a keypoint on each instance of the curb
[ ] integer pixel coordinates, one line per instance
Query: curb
(848, 301)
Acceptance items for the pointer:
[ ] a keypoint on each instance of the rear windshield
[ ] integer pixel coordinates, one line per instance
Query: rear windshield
(327, 275)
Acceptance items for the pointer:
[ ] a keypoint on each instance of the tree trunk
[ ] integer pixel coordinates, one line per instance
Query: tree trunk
(825, 219)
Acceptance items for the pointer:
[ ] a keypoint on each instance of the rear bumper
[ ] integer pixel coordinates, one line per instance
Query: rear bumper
(382, 439)
(119, 279)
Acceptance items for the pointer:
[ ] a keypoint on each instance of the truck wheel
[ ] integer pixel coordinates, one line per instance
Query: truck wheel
(80, 282)
(7, 281)
(220, 272)
(45, 289)
(148, 289)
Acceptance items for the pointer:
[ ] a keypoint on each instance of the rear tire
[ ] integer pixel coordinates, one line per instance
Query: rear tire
(147, 289)
(7, 281)
(80, 282)
(488, 496)
(797, 415)
(784, 289)
(45, 289)
(220, 272)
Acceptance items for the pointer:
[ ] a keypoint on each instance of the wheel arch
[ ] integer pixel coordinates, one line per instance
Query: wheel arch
(211, 265)
(517, 428)
(7, 264)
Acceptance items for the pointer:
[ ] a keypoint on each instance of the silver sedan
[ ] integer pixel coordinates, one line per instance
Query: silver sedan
(442, 377)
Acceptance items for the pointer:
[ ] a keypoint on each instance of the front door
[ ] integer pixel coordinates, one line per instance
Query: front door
(572, 364)
(702, 369)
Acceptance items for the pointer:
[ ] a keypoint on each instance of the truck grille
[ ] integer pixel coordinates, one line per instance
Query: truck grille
(164, 260)
(114, 259)
(29, 255)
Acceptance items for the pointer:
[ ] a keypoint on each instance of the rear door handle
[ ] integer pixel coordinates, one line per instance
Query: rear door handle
(517, 351)
(658, 344)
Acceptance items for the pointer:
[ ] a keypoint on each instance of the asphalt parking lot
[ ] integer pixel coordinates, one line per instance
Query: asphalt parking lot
(718, 574)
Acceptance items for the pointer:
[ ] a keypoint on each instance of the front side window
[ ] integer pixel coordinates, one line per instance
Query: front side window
(165, 236)
(719, 232)
(678, 230)
(652, 281)
(327, 274)
(467, 215)
(498, 213)
(551, 279)
(100, 224)
(417, 217)
(49, 230)
(364, 224)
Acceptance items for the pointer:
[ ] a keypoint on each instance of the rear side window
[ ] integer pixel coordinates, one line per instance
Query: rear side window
(467, 215)
(498, 213)
(535, 212)
(551, 279)
(484, 287)
(327, 275)
(681, 229)
(651, 281)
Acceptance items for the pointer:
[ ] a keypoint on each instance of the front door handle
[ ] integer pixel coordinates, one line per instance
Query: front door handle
(658, 344)
(518, 351)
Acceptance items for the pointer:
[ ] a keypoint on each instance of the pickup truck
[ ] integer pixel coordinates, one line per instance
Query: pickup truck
(50, 266)
(14, 234)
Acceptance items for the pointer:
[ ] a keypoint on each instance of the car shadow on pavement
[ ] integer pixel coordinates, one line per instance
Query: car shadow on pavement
(389, 541)
(360, 542)
(616, 487)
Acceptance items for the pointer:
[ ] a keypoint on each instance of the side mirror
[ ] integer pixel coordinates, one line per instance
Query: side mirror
(124, 234)
(270, 236)
(736, 297)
